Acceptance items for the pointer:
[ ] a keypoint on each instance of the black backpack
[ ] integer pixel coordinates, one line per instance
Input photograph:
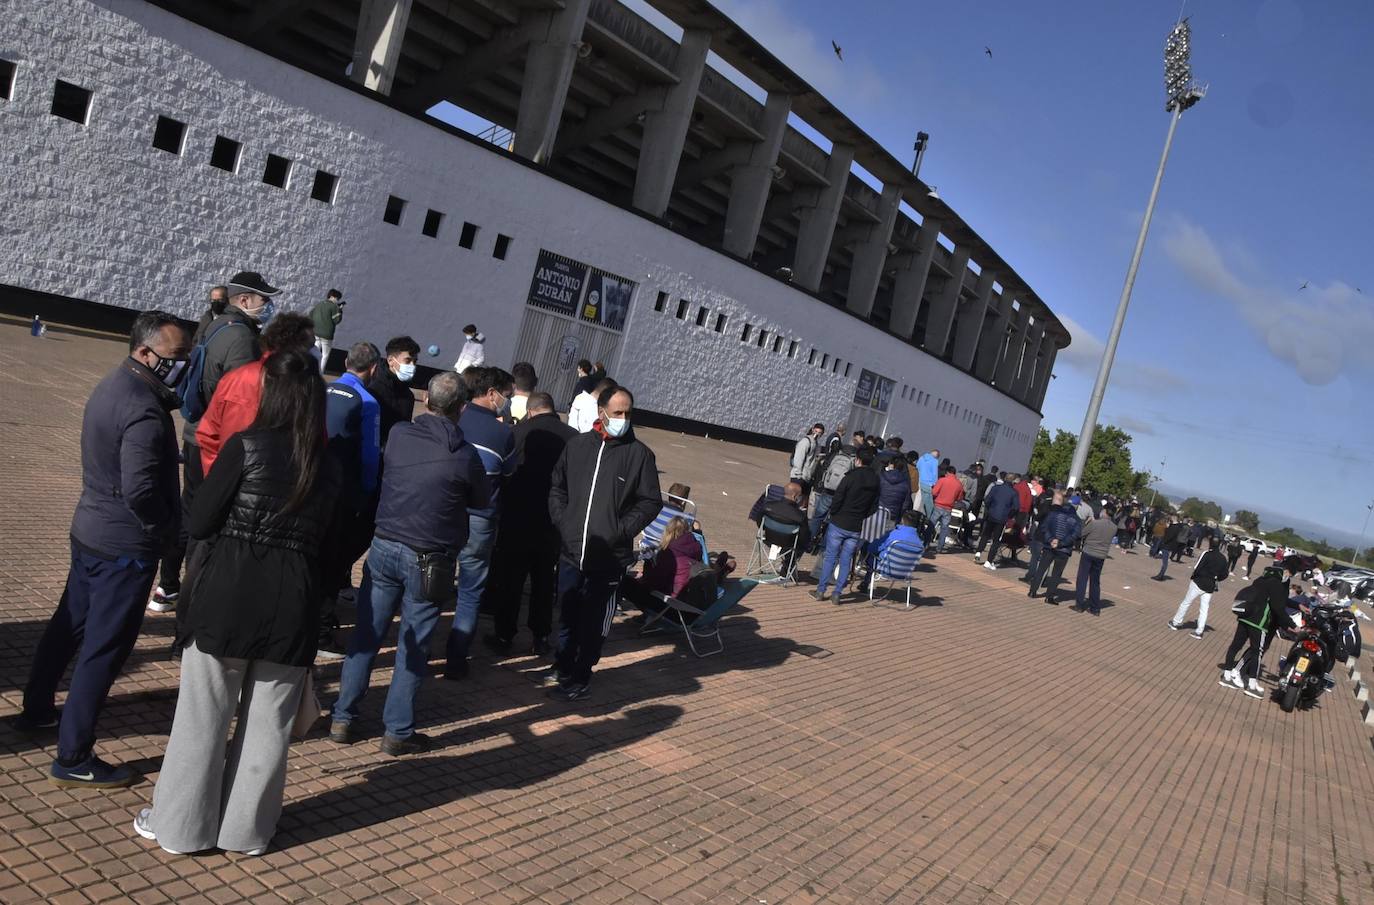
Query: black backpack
(193, 401)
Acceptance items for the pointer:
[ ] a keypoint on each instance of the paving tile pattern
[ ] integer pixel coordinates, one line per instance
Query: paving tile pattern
(980, 748)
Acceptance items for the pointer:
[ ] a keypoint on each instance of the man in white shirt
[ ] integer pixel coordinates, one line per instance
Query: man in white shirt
(583, 413)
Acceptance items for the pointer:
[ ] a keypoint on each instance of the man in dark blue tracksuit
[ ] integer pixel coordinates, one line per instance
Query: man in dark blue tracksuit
(126, 519)
(604, 492)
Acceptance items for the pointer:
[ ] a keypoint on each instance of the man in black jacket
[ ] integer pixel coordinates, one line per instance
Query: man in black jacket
(1174, 536)
(855, 500)
(127, 516)
(390, 385)
(1264, 603)
(1210, 569)
(786, 511)
(603, 492)
(527, 544)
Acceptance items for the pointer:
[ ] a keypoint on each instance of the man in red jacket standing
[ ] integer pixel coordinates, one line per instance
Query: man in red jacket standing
(948, 491)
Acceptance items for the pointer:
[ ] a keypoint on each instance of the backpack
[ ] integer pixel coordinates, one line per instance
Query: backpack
(193, 401)
(836, 468)
(1243, 598)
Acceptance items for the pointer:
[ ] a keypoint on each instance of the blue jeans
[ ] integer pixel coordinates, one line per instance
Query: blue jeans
(1163, 560)
(928, 501)
(474, 562)
(1089, 583)
(391, 581)
(97, 622)
(840, 546)
(823, 501)
(942, 517)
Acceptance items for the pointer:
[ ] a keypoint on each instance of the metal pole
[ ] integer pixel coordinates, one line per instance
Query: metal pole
(1085, 436)
(1355, 560)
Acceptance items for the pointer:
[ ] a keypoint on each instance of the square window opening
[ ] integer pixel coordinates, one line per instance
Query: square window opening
(395, 209)
(792, 349)
(702, 313)
(720, 323)
(225, 154)
(847, 367)
(812, 358)
(502, 247)
(763, 339)
(468, 237)
(7, 69)
(169, 135)
(835, 366)
(777, 344)
(682, 306)
(71, 102)
(744, 334)
(660, 303)
(277, 172)
(433, 219)
(825, 360)
(323, 189)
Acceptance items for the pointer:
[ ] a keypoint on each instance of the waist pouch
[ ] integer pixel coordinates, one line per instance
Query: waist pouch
(438, 572)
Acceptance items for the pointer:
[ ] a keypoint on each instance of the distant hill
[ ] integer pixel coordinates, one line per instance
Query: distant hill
(1270, 519)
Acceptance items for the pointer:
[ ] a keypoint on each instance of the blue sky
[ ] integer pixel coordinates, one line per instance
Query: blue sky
(1248, 388)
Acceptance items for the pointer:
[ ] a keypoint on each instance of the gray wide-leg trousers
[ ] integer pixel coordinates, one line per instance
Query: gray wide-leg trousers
(216, 792)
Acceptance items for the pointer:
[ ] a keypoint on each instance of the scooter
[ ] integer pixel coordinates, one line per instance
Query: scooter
(1328, 634)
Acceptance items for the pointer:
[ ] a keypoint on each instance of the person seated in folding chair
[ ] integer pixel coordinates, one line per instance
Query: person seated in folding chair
(790, 510)
(907, 533)
(671, 568)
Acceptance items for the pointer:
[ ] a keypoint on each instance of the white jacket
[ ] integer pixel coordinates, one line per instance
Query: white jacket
(582, 415)
(474, 353)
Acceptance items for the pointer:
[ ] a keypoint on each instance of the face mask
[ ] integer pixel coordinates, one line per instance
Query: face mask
(168, 370)
(266, 311)
(404, 373)
(505, 406)
(616, 427)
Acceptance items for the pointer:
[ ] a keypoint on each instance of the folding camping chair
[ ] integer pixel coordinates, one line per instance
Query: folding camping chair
(775, 552)
(896, 564)
(652, 537)
(706, 623)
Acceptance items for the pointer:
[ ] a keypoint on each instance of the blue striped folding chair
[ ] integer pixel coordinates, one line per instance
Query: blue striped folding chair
(652, 537)
(896, 564)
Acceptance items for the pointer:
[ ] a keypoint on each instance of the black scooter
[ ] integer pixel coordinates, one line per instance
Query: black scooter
(1328, 636)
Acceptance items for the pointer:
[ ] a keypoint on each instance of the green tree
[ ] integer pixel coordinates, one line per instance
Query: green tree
(1108, 469)
(1199, 509)
(1247, 520)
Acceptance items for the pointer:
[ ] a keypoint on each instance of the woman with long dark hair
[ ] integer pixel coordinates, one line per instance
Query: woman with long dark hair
(262, 517)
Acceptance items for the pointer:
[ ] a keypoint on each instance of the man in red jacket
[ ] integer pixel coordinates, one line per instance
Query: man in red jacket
(948, 491)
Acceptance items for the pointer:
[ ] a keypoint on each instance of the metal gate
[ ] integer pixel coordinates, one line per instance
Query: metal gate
(863, 418)
(554, 343)
(988, 440)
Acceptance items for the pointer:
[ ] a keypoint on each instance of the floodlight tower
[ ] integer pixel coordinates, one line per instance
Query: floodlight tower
(1181, 92)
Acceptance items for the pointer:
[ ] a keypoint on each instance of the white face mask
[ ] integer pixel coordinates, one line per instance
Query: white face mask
(616, 427)
(405, 372)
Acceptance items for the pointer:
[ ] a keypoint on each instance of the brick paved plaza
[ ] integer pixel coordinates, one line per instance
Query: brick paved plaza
(979, 748)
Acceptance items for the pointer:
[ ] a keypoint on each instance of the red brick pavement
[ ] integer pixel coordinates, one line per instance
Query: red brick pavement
(979, 748)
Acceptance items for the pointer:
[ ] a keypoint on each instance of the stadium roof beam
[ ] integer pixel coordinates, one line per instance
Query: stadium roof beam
(752, 181)
(994, 337)
(942, 306)
(665, 130)
(818, 221)
(909, 285)
(972, 315)
(377, 46)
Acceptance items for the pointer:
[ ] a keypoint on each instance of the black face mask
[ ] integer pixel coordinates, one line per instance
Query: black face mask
(168, 370)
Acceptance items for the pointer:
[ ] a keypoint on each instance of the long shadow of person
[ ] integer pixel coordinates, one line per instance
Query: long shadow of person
(398, 788)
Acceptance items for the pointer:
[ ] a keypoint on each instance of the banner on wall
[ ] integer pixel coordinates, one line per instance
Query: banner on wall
(874, 391)
(580, 291)
(557, 284)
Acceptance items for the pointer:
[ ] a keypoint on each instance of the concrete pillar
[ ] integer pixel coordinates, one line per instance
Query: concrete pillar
(377, 44)
(1042, 379)
(971, 320)
(990, 343)
(548, 72)
(943, 305)
(1011, 359)
(818, 223)
(665, 130)
(910, 284)
(870, 255)
(750, 182)
(1021, 385)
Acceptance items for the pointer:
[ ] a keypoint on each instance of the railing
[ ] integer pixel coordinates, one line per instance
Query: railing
(498, 135)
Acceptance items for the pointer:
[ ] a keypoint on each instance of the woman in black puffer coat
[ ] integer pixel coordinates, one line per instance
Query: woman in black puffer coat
(265, 516)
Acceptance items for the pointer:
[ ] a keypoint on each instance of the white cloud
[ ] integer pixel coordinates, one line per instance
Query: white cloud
(1322, 331)
(1085, 354)
(1131, 425)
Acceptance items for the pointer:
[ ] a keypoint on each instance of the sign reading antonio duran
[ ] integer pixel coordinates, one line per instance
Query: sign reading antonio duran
(874, 391)
(580, 291)
(557, 283)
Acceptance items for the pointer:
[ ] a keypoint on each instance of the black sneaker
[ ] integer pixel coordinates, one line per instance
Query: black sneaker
(328, 648)
(540, 647)
(456, 672)
(815, 595)
(342, 733)
(91, 773)
(554, 679)
(572, 691)
(497, 644)
(415, 743)
(23, 722)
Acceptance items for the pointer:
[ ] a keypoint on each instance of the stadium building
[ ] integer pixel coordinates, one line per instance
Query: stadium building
(631, 203)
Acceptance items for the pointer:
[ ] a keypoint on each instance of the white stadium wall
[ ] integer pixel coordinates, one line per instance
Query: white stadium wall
(96, 212)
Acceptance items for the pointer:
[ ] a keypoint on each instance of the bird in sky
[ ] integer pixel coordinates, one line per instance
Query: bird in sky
(1303, 286)
(988, 51)
(839, 53)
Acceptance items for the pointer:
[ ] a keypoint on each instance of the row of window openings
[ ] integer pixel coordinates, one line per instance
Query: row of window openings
(467, 236)
(760, 337)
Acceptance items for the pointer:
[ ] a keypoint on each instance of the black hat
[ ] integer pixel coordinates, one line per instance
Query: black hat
(250, 281)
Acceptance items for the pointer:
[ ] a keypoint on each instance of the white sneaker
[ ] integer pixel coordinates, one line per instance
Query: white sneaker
(990, 566)
(143, 825)
(1230, 678)
(978, 557)
(1174, 626)
(1255, 689)
(162, 602)
(1196, 636)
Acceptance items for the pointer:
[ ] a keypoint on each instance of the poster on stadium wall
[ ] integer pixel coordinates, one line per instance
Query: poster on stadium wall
(608, 299)
(557, 284)
(874, 391)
